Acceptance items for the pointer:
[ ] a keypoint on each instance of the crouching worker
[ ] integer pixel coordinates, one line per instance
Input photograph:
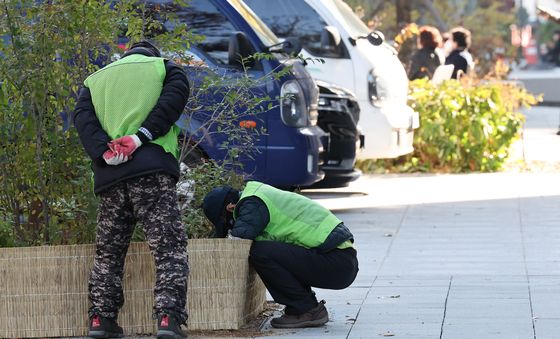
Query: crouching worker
(298, 245)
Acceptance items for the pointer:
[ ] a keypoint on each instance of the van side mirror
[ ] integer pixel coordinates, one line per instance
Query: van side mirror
(291, 46)
(240, 50)
(330, 39)
(376, 38)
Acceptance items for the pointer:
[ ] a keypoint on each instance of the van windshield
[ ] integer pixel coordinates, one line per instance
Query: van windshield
(354, 25)
(261, 29)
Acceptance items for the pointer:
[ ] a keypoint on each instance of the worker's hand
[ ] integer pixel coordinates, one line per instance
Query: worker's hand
(114, 158)
(126, 145)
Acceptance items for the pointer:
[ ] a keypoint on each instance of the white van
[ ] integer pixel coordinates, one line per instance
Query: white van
(329, 30)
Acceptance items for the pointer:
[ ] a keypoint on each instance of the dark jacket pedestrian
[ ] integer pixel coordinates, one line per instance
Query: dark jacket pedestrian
(459, 57)
(125, 118)
(459, 63)
(553, 56)
(298, 244)
(426, 59)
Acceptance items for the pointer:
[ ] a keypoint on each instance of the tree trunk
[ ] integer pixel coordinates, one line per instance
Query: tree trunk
(406, 47)
(42, 180)
(403, 13)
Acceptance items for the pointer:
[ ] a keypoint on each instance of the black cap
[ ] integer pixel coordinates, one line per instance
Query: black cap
(143, 47)
(214, 205)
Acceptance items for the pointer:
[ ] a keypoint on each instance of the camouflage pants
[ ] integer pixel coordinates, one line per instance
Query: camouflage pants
(152, 201)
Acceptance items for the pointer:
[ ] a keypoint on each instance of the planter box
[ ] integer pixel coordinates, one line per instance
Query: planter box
(43, 290)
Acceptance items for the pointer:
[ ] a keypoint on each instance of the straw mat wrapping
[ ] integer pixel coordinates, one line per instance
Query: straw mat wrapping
(43, 290)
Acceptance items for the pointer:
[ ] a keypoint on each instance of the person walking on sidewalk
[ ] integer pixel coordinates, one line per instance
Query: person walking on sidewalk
(298, 245)
(125, 118)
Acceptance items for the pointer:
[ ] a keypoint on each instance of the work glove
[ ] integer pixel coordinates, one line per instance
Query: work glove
(126, 145)
(114, 158)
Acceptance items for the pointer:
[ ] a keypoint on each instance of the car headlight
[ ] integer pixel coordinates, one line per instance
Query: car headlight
(314, 106)
(376, 89)
(293, 110)
(313, 115)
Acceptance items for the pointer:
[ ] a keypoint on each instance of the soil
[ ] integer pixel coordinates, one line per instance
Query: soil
(252, 329)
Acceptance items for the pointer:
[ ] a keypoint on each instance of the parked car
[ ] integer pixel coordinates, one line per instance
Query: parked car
(329, 30)
(290, 151)
(339, 114)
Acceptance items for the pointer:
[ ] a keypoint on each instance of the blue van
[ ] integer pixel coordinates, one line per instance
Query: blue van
(290, 152)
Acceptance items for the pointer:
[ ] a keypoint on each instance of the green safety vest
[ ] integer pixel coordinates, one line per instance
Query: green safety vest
(125, 92)
(294, 219)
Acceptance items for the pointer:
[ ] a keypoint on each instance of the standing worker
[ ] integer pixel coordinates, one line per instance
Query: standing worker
(298, 245)
(125, 118)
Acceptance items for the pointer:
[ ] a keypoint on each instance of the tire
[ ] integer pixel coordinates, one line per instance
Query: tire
(195, 157)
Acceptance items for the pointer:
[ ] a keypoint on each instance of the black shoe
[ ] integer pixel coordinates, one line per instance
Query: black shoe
(169, 327)
(317, 316)
(100, 327)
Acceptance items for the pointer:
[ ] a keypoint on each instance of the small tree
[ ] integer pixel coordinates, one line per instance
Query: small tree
(230, 115)
(45, 53)
(218, 105)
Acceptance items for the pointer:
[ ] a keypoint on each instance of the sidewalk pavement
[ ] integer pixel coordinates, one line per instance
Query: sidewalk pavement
(540, 145)
(449, 256)
(452, 256)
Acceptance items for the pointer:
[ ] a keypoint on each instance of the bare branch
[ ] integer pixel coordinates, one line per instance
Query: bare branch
(435, 13)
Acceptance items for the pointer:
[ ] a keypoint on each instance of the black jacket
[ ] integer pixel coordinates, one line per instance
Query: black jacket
(423, 63)
(456, 59)
(553, 56)
(149, 158)
(253, 217)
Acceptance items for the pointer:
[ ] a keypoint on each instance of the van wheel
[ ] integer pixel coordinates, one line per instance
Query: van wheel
(195, 157)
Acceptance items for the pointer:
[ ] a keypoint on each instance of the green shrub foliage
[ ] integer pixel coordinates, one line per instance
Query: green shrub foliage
(46, 51)
(46, 195)
(464, 126)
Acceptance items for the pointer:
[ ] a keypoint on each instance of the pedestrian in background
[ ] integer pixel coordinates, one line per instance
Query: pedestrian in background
(460, 56)
(553, 55)
(298, 245)
(125, 118)
(428, 56)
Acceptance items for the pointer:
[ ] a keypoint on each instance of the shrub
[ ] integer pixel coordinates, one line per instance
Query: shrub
(46, 52)
(6, 233)
(464, 126)
(195, 182)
